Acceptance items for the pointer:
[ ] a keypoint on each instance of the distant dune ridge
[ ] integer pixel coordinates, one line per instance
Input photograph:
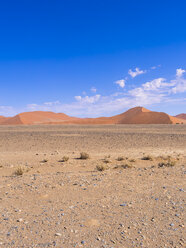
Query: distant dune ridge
(137, 115)
(181, 116)
(3, 119)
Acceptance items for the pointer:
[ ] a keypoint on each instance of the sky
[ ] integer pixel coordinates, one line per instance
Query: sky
(92, 58)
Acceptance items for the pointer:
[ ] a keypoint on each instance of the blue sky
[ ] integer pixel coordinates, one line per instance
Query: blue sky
(92, 58)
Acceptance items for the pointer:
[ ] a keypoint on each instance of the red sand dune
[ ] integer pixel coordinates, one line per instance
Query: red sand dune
(38, 117)
(181, 116)
(2, 119)
(137, 115)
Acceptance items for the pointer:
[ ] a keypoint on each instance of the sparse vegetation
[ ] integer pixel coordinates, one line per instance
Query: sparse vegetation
(120, 158)
(19, 171)
(44, 161)
(102, 167)
(84, 155)
(108, 156)
(147, 157)
(165, 157)
(64, 159)
(106, 160)
(132, 160)
(167, 164)
(124, 166)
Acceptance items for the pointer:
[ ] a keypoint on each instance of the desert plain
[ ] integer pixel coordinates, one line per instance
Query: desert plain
(129, 192)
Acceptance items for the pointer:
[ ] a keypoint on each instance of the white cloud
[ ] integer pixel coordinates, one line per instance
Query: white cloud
(179, 85)
(157, 84)
(121, 83)
(179, 72)
(7, 111)
(88, 99)
(93, 89)
(136, 72)
(32, 106)
(153, 67)
(154, 84)
(156, 91)
(78, 98)
(52, 103)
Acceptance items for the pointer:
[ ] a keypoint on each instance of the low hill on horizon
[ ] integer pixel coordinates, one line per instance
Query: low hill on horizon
(181, 116)
(3, 119)
(37, 117)
(137, 115)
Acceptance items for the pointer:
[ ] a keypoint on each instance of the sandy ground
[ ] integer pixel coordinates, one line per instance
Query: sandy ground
(72, 204)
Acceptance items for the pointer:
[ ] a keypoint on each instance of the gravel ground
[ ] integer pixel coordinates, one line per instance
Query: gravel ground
(131, 203)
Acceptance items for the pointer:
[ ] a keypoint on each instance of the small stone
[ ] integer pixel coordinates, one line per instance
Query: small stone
(182, 225)
(58, 234)
(123, 205)
(20, 220)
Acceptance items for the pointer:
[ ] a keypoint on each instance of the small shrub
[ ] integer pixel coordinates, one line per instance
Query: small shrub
(106, 161)
(120, 158)
(165, 157)
(102, 167)
(64, 159)
(44, 161)
(132, 160)
(19, 171)
(167, 164)
(148, 157)
(108, 156)
(126, 166)
(84, 155)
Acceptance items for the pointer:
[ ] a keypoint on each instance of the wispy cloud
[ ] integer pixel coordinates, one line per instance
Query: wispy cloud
(93, 89)
(7, 111)
(155, 67)
(88, 99)
(121, 83)
(179, 72)
(157, 91)
(136, 72)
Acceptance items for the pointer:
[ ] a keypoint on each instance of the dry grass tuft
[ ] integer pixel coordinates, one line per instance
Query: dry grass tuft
(108, 156)
(120, 158)
(64, 159)
(106, 160)
(132, 160)
(19, 171)
(148, 157)
(44, 161)
(165, 157)
(102, 167)
(167, 164)
(124, 166)
(84, 155)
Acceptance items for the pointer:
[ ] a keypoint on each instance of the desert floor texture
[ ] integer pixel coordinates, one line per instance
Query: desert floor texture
(98, 202)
